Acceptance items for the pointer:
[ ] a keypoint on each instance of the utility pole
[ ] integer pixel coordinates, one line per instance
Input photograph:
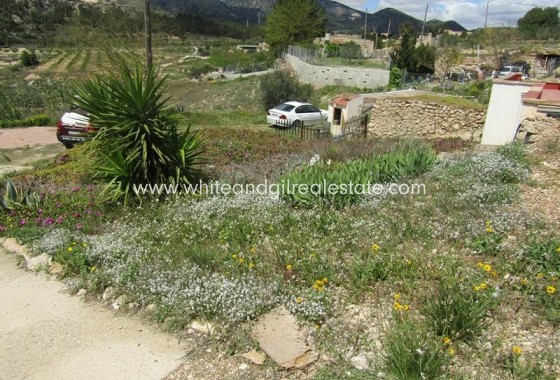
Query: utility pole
(365, 28)
(486, 18)
(148, 32)
(389, 28)
(423, 24)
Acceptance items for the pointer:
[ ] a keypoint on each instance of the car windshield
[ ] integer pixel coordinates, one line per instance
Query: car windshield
(285, 107)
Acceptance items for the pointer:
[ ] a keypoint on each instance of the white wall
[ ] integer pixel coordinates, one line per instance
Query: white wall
(504, 110)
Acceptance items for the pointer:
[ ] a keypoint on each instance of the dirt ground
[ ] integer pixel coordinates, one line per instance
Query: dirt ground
(11, 138)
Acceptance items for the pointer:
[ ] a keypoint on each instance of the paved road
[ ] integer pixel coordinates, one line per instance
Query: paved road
(46, 334)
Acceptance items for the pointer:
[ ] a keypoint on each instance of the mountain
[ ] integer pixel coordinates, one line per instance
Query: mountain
(342, 18)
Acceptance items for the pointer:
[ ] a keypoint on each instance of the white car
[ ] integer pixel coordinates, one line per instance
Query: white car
(295, 114)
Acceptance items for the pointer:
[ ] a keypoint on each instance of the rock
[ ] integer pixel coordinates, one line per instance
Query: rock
(108, 294)
(56, 269)
(81, 293)
(34, 263)
(278, 335)
(359, 362)
(203, 328)
(243, 366)
(11, 245)
(254, 357)
(121, 301)
(151, 308)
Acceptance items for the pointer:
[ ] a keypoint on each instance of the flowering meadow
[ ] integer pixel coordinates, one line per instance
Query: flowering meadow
(458, 283)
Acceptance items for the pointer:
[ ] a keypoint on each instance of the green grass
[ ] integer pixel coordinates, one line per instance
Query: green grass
(365, 63)
(452, 101)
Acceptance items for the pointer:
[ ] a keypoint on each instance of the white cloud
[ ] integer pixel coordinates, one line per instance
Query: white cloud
(356, 4)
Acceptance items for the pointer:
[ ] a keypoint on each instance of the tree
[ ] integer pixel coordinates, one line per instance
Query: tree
(294, 21)
(404, 56)
(281, 86)
(350, 50)
(411, 58)
(449, 57)
(539, 22)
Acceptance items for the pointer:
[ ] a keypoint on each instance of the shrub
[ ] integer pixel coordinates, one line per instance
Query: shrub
(29, 59)
(395, 77)
(138, 141)
(411, 354)
(281, 86)
(458, 311)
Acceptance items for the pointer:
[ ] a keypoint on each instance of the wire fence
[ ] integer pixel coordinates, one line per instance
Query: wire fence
(376, 59)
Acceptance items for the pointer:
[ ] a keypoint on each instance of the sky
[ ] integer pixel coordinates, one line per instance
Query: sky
(469, 13)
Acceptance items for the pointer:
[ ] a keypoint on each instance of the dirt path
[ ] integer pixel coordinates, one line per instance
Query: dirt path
(46, 334)
(11, 138)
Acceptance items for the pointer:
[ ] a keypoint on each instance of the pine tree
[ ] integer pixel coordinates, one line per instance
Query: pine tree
(294, 21)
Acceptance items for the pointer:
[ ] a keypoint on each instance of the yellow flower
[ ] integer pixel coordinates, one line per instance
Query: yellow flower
(408, 262)
(554, 278)
(317, 287)
(558, 250)
(299, 300)
(70, 249)
(74, 243)
(524, 282)
(84, 245)
(477, 288)
(480, 264)
(289, 267)
(405, 307)
(540, 276)
(446, 340)
(93, 268)
(251, 265)
(397, 296)
(252, 250)
(489, 230)
(451, 351)
(241, 260)
(517, 350)
(487, 267)
(325, 280)
(550, 289)
(234, 256)
(483, 286)
(375, 247)
(397, 306)
(494, 273)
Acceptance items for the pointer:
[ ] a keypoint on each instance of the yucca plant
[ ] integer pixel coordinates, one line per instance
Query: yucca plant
(16, 198)
(138, 141)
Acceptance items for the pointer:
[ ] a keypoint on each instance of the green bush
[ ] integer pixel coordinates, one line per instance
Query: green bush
(281, 86)
(29, 59)
(459, 312)
(411, 354)
(34, 121)
(138, 141)
(395, 77)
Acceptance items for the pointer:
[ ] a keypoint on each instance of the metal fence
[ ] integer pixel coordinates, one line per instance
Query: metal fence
(302, 131)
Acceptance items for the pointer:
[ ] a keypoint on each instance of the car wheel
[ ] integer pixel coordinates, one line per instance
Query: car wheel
(296, 124)
(68, 145)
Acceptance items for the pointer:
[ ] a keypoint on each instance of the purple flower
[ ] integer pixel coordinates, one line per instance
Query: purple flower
(39, 211)
(60, 219)
(2, 228)
(79, 226)
(39, 221)
(90, 187)
(76, 188)
(22, 222)
(48, 221)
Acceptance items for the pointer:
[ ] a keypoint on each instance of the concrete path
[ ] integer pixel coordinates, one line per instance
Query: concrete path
(47, 334)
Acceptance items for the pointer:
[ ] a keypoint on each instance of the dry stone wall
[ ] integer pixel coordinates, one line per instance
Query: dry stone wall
(398, 118)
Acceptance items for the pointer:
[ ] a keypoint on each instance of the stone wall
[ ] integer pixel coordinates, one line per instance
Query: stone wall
(342, 76)
(396, 118)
